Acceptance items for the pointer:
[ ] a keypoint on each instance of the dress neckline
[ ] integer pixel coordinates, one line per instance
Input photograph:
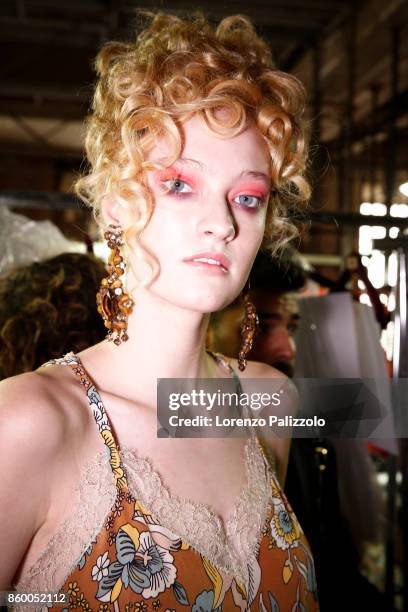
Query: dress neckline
(189, 519)
(228, 546)
(106, 430)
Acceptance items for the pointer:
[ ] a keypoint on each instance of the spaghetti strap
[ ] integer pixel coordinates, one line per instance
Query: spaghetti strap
(99, 413)
(224, 363)
(101, 416)
(266, 450)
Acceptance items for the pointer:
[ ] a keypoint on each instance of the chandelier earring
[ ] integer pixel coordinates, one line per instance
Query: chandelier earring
(249, 328)
(114, 305)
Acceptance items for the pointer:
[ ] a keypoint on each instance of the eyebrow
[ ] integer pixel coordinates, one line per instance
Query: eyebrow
(191, 162)
(253, 173)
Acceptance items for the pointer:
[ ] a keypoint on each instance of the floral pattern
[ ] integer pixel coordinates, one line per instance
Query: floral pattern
(100, 569)
(138, 564)
(285, 529)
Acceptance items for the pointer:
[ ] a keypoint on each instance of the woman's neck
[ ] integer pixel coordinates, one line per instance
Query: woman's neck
(165, 341)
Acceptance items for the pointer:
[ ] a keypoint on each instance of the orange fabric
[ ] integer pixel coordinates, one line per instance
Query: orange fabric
(138, 564)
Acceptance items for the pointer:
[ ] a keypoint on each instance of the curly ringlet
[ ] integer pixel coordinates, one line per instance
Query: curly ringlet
(47, 309)
(178, 68)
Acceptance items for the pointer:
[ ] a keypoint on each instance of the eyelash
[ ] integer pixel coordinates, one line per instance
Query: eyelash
(259, 200)
(174, 180)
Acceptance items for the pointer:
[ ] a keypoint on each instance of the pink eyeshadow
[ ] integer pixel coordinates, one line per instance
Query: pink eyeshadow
(173, 173)
(253, 189)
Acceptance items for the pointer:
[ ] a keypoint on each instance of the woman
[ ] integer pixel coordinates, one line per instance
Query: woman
(195, 147)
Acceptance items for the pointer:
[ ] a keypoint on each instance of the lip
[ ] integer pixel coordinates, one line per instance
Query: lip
(224, 261)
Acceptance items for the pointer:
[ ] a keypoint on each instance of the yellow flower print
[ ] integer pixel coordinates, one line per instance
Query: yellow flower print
(110, 443)
(275, 491)
(120, 477)
(141, 509)
(81, 601)
(114, 458)
(287, 571)
(73, 589)
(140, 606)
(284, 529)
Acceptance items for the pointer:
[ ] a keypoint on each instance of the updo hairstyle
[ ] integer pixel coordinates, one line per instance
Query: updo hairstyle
(177, 68)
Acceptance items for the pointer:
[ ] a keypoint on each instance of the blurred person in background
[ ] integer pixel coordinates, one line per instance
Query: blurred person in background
(273, 283)
(312, 483)
(47, 309)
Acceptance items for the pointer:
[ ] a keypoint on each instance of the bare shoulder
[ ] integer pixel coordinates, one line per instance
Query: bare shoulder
(27, 404)
(284, 393)
(257, 369)
(36, 403)
(40, 420)
(273, 378)
(32, 432)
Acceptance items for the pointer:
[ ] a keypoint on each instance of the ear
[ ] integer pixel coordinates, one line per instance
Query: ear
(114, 212)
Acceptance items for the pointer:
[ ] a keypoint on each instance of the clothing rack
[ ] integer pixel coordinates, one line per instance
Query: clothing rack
(400, 370)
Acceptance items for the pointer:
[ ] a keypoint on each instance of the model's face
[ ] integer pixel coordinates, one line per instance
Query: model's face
(209, 216)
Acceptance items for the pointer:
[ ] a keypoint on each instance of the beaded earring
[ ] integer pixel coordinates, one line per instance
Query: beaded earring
(249, 328)
(114, 305)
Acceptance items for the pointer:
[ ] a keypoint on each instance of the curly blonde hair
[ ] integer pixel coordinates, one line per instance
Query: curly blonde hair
(177, 68)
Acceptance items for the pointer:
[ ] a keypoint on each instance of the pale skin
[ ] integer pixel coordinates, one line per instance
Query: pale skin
(216, 203)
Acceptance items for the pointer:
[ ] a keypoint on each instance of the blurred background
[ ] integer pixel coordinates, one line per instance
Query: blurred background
(352, 57)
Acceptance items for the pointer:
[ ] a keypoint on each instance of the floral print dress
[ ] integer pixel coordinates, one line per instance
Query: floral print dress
(171, 554)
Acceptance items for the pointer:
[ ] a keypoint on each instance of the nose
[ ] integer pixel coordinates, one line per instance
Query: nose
(218, 221)
(284, 345)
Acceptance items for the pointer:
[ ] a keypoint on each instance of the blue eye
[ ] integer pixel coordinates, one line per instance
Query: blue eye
(249, 201)
(176, 185)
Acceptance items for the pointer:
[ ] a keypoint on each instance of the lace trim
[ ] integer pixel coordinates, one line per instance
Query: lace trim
(230, 548)
(95, 495)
